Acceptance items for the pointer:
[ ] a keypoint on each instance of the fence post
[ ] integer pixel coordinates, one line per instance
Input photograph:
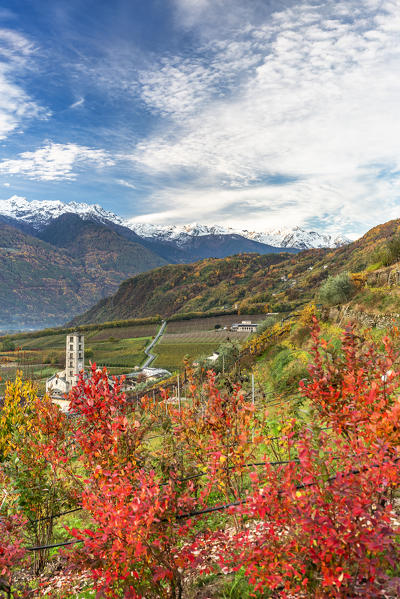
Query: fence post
(179, 394)
(253, 400)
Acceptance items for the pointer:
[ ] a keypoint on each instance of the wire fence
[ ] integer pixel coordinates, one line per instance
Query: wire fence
(225, 506)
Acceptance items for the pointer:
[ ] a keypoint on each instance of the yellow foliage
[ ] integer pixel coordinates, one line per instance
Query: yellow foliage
(359, 278)
(307, 313)
(15, 416)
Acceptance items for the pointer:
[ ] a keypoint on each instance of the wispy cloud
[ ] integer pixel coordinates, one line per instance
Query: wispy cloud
(54, 162)
(125, 183)
(15, 104)
(313, 94)
(78, 103)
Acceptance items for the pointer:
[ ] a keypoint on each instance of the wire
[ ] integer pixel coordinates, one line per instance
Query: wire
(212, 509)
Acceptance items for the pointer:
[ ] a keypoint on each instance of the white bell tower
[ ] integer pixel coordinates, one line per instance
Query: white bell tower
(74, 357)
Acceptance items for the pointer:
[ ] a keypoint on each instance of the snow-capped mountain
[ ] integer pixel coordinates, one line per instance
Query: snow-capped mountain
(40, 213)
(178, 234)
(284, 238)
(296, 238)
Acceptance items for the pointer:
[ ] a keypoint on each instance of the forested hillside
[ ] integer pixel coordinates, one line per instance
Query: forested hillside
(248, 281)
(45, 282)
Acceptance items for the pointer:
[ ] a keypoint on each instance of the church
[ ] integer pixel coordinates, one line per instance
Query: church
(63, 381)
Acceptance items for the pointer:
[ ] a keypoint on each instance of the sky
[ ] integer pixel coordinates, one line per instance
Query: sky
(255, 114)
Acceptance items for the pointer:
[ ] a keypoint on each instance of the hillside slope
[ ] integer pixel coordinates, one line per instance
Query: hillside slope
(204, 285)
(249, 281)
(44, 284)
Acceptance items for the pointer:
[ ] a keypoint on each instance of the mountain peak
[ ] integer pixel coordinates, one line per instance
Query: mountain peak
(40, 213)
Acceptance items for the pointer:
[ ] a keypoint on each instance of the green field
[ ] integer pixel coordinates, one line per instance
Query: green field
(212, 336)
(126, 353)
(170, 355)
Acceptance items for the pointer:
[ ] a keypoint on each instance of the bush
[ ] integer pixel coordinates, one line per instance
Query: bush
(387, 254)
(267, 323)
(337, 290)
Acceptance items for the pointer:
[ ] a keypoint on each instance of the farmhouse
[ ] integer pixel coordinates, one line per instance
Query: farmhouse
(63, 381)
(244, 326)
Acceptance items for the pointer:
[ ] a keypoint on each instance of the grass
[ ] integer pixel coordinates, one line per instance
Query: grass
(45, 342)
(212, 336)
(121, 352)
(170, 355)
(145, 330)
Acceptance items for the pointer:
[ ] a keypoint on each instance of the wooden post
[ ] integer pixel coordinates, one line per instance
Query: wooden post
(253, 400)
(179, 394)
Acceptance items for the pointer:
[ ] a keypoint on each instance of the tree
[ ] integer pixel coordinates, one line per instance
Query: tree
(8, 345)
(337, 289)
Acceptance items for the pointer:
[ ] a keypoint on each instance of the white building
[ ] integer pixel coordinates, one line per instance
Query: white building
(63, 381)
(245, 326)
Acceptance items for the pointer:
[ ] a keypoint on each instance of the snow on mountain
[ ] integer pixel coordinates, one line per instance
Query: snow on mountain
(287, 238)
(178, 234)
(40, 213)
(296, 238)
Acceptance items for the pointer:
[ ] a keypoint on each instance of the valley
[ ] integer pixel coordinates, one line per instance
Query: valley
(223, 412)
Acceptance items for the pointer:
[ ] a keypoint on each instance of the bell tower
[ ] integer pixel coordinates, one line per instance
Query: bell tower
(74, 357)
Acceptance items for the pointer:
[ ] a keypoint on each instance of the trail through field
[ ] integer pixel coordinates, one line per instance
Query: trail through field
(147, 350)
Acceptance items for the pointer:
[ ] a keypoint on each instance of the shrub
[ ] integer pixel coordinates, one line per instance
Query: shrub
(387, 254)
(266, 324)
(337, 289)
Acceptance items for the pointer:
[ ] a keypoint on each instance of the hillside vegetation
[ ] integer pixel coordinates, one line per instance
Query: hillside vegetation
(251, 282)
(45, 282)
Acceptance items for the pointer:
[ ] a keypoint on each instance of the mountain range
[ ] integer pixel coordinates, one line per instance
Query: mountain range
(58, 259)
(38, 214)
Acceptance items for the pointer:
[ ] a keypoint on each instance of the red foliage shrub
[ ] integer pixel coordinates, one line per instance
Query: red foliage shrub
(12, 552)
(357, 391)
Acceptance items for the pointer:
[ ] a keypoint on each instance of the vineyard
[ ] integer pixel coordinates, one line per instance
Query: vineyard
(209, 493)
(120, 348)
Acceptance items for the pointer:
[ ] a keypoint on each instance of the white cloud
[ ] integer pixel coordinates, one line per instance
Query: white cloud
(78, 103)
(313, 93)
(55, 162)
(15, 104)
(125, 184)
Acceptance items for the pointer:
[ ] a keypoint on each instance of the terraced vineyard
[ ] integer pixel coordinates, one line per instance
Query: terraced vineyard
(208, 324)
(171, 355)
(198, 338)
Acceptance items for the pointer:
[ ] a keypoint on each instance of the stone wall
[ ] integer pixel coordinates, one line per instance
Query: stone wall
(343, 314)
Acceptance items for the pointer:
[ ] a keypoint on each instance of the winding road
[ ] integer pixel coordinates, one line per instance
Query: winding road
(147, 350)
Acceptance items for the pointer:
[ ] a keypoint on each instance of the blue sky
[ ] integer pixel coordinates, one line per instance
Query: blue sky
(255, 114)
